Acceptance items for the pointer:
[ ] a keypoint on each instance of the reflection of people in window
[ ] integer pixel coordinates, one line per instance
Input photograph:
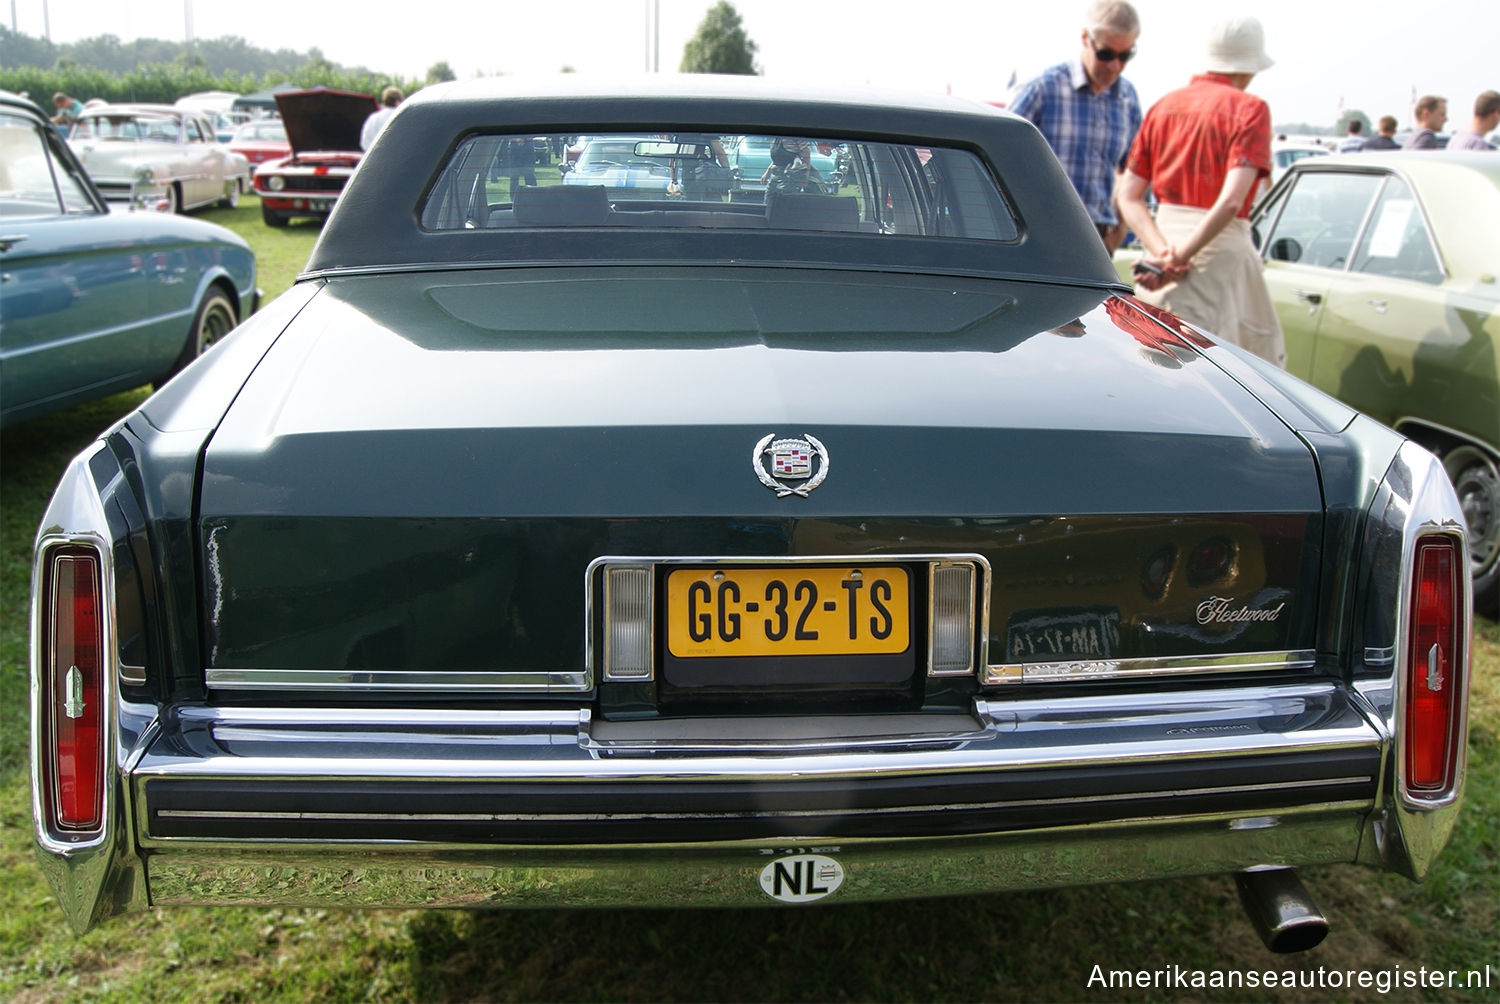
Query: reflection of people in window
(791, 167)
(516, 160)
(704, 176)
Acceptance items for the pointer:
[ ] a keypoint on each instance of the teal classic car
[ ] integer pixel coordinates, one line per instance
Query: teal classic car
(1385, 270)
(551, 549)
(96, 299)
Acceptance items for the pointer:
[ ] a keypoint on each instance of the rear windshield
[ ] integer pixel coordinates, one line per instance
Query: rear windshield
(718, 181)
(161, 128)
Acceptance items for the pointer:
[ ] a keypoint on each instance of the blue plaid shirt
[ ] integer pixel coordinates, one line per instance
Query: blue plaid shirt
(1090, 133)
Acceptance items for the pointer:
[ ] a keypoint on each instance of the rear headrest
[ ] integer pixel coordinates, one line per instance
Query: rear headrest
(561, 206)
(798, 211)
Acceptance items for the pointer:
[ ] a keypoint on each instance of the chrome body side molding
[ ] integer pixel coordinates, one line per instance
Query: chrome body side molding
(1077, 670)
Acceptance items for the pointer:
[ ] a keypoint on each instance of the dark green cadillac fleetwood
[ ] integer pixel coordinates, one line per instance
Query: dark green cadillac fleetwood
(547, 547)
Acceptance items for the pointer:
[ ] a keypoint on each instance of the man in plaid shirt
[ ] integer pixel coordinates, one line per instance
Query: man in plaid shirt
(1089, 113)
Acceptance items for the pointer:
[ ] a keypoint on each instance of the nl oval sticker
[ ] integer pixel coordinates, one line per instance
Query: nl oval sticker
(801, 878)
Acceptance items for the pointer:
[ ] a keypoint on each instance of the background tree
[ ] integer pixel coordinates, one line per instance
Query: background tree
(720, 44)
(440, 72)
(1342, 125)
(147, 69)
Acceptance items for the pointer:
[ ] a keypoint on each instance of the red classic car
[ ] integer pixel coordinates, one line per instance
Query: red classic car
(261, 141)
(322, 126)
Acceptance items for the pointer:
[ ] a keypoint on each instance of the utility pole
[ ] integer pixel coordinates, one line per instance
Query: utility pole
(653, 36)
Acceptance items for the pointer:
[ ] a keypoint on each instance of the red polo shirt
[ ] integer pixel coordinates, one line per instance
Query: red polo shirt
(1192, 137)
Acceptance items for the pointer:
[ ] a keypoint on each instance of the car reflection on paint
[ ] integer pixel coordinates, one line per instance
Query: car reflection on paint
(1382, 268)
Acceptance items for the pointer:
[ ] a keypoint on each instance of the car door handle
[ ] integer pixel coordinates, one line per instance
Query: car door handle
(1307, 296)
(1379, 305)
(10, 240)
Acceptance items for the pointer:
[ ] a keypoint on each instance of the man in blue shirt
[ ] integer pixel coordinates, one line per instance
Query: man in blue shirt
(69, 111)
(1089, 113)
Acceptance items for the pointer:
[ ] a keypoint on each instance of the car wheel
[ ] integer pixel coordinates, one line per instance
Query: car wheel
(215, 318)
(272, 217)
(1477, 483)
(232, 194)
(174, 200)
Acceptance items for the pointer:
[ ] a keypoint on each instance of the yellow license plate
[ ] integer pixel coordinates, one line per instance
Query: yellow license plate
(787, 610)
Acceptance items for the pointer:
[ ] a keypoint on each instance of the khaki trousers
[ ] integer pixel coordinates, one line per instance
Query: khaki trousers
(1225, 292)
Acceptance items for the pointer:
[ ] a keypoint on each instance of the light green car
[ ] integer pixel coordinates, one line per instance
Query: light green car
(1385, 271)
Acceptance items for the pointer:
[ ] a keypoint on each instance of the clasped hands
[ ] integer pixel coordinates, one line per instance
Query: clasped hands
(1157, 270)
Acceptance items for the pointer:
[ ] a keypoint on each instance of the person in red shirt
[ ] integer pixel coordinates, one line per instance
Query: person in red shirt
(1205, 150)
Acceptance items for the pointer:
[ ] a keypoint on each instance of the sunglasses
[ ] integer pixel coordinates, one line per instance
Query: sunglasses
(1110, 55)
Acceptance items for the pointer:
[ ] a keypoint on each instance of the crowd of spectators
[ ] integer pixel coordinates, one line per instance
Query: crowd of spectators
(1204, 153)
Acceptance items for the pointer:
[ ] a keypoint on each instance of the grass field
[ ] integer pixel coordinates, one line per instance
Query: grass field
(1032, 946)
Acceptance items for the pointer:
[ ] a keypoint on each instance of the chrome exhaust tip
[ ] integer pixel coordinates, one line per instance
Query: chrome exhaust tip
(1281, 910)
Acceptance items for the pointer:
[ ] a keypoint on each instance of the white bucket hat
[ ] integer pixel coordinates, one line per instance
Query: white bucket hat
(1237, 45)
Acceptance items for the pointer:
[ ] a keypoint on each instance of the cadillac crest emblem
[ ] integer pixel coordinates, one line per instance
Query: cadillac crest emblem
(792, 459)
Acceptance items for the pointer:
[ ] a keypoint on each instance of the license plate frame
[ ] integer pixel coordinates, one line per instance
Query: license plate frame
(795, 668)
(788, 611)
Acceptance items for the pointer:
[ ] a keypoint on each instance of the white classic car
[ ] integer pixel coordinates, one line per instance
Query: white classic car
(159, 157)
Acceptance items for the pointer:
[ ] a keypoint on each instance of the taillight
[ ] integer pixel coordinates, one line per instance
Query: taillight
(1435, 659)
(73, 647)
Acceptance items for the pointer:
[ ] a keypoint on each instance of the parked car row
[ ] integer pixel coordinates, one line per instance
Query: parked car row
(740, 168)
(445, 571)
(261, 141)
(1383, 268)
(95, 299)
(158, 157)
(322, 129)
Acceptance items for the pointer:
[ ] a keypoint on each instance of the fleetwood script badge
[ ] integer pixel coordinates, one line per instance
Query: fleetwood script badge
(795, 460)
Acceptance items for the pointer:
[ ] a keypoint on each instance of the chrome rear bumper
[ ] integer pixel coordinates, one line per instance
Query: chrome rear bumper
(725, 873)
(549, 807)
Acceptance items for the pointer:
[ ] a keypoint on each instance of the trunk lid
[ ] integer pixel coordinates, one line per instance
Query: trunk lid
(420, 472)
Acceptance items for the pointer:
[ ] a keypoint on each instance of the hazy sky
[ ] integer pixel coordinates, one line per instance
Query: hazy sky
(1371, 56)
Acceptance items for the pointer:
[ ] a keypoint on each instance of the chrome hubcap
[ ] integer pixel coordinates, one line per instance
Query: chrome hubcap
(1477, 484)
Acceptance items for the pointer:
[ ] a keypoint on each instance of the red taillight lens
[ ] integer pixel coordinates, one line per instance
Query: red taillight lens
(74, 676)
(1434, 659)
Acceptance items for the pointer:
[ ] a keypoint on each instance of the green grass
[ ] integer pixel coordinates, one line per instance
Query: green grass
(1029, 946)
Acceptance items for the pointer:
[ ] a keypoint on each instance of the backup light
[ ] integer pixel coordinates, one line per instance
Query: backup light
(1435, 661)
(627, 623)
(73, 676)
(951, 648)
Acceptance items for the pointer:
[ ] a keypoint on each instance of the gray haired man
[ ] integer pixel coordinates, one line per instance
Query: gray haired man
(1089, 113)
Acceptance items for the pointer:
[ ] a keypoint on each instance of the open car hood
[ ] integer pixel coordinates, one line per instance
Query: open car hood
(324, 119)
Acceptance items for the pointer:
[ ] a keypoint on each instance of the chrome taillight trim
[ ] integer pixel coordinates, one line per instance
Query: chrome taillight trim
(1077, 670)
(980, 618)
(75, 520)
(1418, 494)
(1423, 799)
(1426, 667)
(1412, 500)
(47, 676)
